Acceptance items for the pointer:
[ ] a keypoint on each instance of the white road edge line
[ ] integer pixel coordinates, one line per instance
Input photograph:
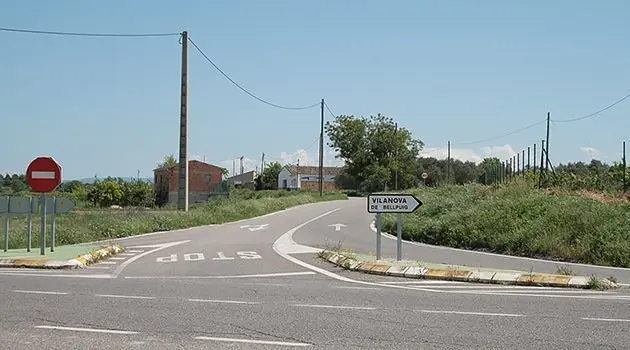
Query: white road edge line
(280, 249)
(605, 319)
(251, 341)
(39, 292)
(392, 237)
(335, 307)
(94, 330)
(281, 274)
(352, 287)
(126, 263)
(123, 296)
(225, 301)
(469, 313)
(117, 258)
(99, 276)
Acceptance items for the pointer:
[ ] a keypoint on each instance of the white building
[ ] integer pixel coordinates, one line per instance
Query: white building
(307, 177)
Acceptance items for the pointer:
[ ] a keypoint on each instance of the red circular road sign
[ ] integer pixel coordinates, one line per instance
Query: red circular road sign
(43, 174)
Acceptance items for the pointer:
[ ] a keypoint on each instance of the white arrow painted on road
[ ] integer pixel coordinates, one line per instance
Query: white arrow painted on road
(255, 227)
(337, 226)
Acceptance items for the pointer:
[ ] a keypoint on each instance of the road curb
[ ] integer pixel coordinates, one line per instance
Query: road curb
(348, 262)
(76, 263)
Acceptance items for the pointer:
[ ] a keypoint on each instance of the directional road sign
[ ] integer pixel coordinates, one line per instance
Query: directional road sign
(21, 205)
(43, 174)
(392, 203)
(64, 205)
(4, 204)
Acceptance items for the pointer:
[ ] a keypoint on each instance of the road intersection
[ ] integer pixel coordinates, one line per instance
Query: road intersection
(259, 283)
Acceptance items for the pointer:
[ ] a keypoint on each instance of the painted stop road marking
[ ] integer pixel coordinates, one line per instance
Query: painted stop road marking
(220, 256)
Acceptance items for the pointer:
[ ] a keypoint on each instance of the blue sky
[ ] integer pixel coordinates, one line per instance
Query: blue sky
(453, 70)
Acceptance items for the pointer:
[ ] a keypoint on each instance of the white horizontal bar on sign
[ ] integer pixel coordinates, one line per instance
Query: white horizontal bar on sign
(50, 175)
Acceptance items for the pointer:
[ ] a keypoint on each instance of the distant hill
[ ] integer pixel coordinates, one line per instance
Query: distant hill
(90, 180)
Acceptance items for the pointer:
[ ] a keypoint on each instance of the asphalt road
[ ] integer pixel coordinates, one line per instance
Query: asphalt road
(230, 286)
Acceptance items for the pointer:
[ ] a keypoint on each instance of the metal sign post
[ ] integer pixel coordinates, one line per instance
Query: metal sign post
(6, 232)
(29, 230)
(42, 234)
(394, 204)
(52, 225)
(379, 221)
(399, 237)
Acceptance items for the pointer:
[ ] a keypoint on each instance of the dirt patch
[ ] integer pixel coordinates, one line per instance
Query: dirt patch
(604, 198)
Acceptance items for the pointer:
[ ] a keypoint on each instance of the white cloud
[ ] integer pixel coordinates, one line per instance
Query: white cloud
(592, 152)
(469, 154)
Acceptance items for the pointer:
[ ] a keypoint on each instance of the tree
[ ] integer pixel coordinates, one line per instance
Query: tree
(269, 177)
(17, 185)
(489, 170)
(105, 193)
(168, 161)
(374, 151)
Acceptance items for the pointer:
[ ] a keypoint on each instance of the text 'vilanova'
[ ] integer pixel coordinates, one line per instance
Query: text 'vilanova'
(390, 203)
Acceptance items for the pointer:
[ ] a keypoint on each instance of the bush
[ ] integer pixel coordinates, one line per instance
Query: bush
(517, 219)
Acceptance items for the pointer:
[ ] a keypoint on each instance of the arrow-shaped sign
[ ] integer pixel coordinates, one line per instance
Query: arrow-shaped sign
(392, 203)
(255, 227)
(337, 226)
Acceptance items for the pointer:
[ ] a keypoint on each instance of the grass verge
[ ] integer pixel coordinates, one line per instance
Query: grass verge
(519, 220)
(75, 228)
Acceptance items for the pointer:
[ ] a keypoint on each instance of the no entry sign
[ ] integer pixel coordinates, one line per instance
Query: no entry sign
(43, 174)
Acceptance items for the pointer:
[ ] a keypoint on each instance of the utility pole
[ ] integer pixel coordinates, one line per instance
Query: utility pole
(625, 183)
(182, 191)
(518, 163)
(233, 167)
(297, 180)
(448, 163)
(547, 143)
(396, 157)
(262, 163)
(321, 152)
(535, 159)
(241, 159)
(528, 158)
(523, 160)
(542, 160)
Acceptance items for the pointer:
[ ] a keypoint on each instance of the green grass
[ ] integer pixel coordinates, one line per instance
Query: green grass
(89, 226)
(519, 220)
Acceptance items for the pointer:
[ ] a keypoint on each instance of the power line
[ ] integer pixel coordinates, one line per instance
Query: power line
(48, 32)
(329, 111)
(503, 135)
(242, 88)
(594, 113)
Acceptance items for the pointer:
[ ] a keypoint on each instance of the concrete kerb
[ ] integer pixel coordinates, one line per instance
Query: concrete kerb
(78, 262)
(350, 262)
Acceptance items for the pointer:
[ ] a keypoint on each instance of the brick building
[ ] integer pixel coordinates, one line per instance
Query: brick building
(307, 177)
(203, 179)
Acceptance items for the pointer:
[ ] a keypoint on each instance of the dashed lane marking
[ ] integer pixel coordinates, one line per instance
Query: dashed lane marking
(94, 330)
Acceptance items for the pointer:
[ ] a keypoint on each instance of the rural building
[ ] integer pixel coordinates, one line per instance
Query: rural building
(203, 179)
(244, 180)
(307, 177)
